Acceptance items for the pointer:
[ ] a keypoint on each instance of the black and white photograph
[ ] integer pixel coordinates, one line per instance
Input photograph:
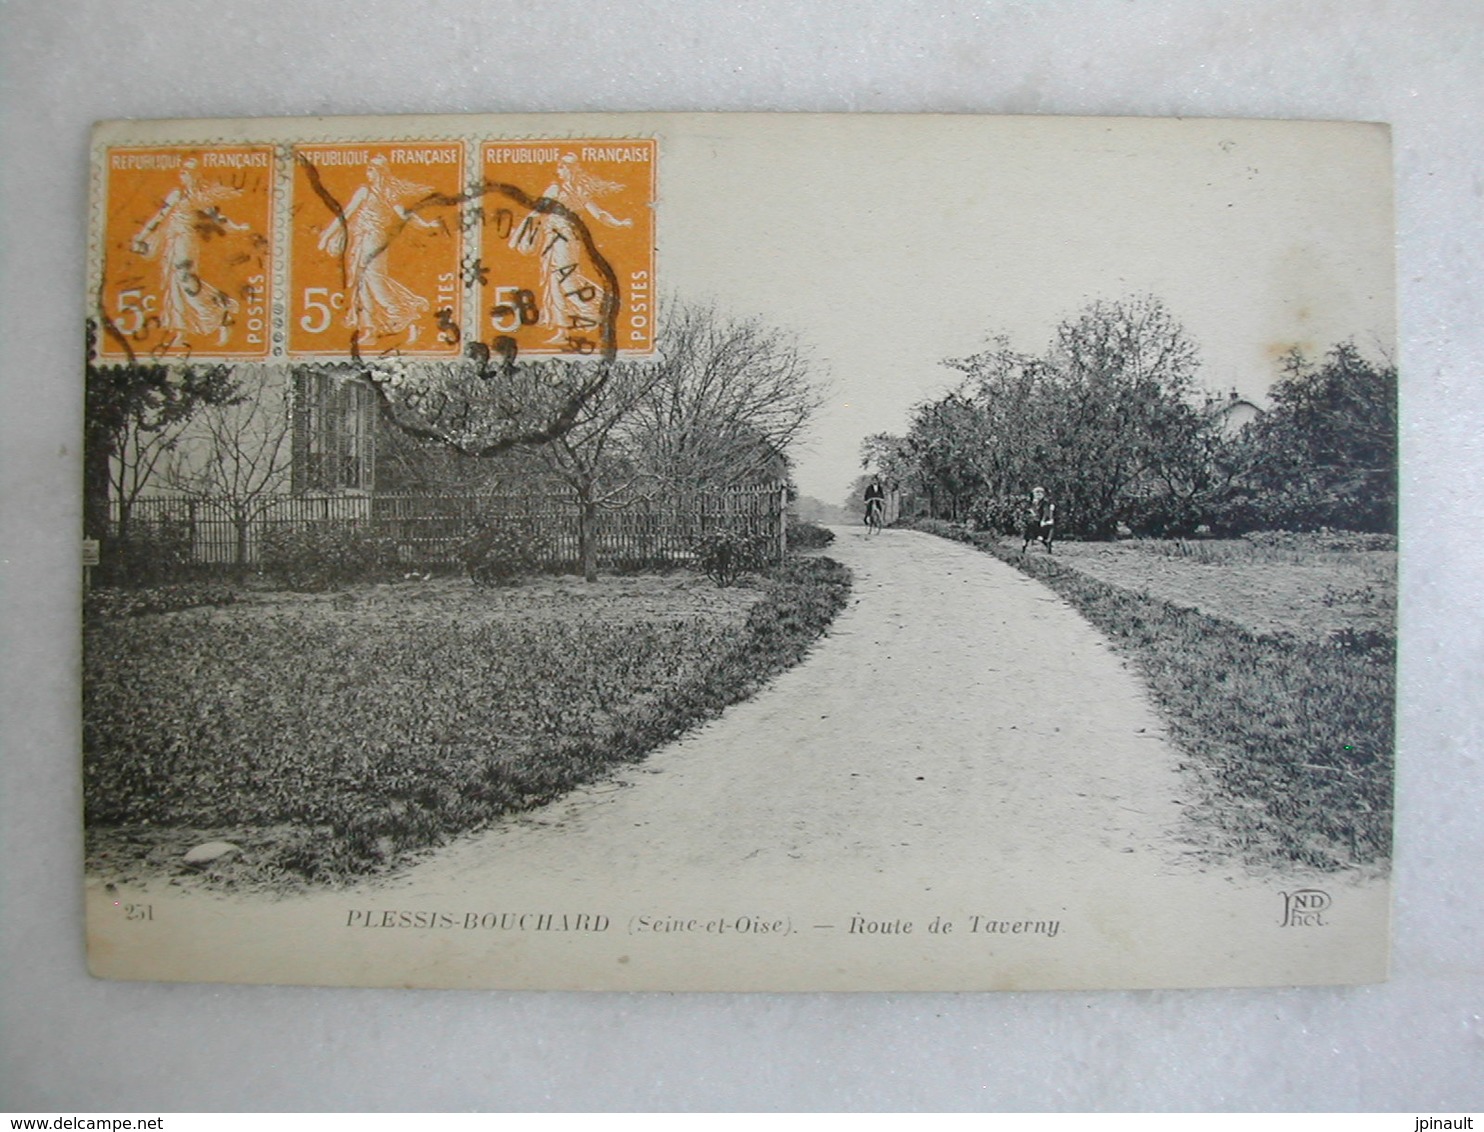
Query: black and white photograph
(734, 552)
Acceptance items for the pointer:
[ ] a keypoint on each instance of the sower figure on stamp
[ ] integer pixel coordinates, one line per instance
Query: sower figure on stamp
(571, 301)
(1040, 520)
(379, 305)
(189, 304)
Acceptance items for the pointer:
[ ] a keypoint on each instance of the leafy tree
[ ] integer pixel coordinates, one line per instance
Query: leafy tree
(1122, 421)
(891, 457)
(1105, 421)
(1197, 476)
(1326, 454)
(1012, 395)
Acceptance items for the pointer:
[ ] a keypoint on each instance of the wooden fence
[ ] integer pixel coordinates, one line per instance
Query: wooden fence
(429, 529)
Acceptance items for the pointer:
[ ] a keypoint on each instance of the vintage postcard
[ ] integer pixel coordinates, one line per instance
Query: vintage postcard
(740, 552)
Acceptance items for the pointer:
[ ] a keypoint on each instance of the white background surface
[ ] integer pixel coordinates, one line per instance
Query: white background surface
(1414, 1044)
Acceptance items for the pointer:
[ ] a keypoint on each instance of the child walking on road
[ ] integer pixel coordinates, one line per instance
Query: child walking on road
(1040, 520)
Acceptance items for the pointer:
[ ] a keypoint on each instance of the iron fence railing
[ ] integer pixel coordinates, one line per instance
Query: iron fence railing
(429, 529)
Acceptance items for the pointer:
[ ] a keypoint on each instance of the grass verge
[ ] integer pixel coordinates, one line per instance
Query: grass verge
(326, 746)
(1290, 740)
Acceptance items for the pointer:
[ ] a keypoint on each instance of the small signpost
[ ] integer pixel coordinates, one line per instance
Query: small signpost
(89, 560)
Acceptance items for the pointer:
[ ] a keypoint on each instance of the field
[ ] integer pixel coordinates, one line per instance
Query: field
(1296, 586)
(1273, 660)
(327, 735)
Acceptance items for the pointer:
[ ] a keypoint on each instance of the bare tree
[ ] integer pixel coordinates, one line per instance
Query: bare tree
(236, 456)
(718, 406)
(729, 400)
(591, 456)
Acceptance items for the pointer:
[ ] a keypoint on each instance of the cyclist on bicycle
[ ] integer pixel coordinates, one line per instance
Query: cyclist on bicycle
(875, 503)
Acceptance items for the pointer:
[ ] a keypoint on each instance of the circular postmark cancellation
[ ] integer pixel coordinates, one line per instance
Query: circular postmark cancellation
(484, 313)
(485, 395)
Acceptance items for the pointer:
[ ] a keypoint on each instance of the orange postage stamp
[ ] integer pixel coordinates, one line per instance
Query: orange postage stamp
(568, 245)
(375, 249)
(187, 238)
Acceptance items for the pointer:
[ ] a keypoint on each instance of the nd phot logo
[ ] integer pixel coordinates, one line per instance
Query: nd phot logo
(1305, 907)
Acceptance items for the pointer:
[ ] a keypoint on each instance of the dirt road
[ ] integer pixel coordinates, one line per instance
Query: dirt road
(958, 720)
